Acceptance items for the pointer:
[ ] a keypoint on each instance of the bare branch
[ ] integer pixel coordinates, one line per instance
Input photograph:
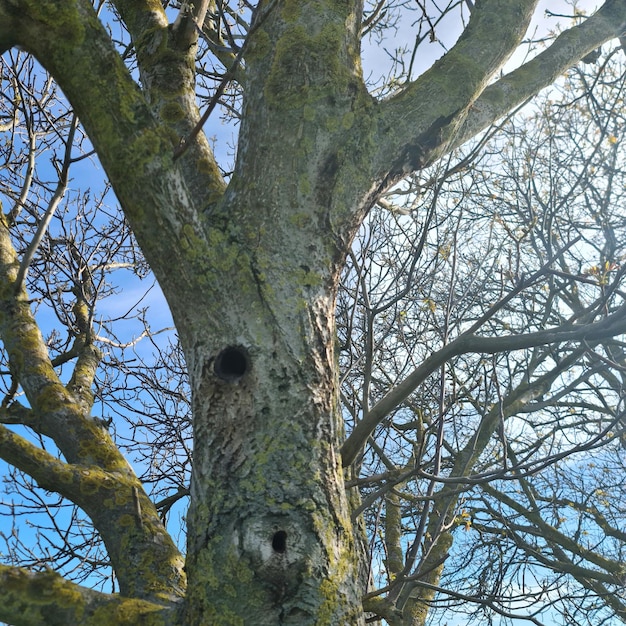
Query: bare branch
(52, 205)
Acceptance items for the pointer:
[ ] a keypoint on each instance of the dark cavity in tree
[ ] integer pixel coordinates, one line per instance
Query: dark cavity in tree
(279, 541)
(232, 363)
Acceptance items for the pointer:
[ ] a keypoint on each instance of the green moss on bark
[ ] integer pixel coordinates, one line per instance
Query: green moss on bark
(306, 68)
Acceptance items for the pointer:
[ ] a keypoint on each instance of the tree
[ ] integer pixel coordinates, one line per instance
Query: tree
(250, 263)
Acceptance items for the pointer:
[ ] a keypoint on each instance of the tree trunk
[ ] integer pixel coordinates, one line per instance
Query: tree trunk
(269, 538)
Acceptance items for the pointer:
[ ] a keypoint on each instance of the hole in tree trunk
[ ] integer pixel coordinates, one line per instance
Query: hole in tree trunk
(231, 364)
(279, 541)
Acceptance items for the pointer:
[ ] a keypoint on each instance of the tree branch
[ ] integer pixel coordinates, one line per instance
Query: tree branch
(58, 414)
(538, 527)
(163, 202)
(418, 124)
(64, 416)
(523, 83)
(49, 472)
(166, 61)
(112, 499)
(54, 203)
(189, 22)
(612, 325)
(467, 105)
(47, 599)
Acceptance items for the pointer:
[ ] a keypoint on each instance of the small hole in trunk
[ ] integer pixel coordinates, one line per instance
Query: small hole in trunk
(231, 364)
(279, 541)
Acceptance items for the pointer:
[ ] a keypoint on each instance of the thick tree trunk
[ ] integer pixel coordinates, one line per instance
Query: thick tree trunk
(269, 538)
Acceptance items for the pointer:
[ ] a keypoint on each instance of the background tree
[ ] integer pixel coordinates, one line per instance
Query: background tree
(505, 468)
(466, 382)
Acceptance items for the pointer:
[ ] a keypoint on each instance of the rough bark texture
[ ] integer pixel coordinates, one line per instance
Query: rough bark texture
(269, 515)
(250, 271)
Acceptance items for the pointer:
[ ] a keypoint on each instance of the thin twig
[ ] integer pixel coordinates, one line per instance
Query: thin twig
(54, 203)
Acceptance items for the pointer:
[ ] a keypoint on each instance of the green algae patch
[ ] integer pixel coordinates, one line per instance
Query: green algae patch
(129, 611)
(172, 112)
(63, 15)
(348, 120)
(36, 597)
(260, 45)
(326, 612)
(227, 586)
(49, 584)
(306, 69)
